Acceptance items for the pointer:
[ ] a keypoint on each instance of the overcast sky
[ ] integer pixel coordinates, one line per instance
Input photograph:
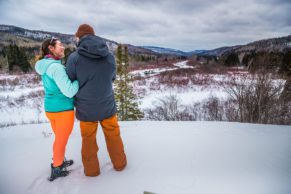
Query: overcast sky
(180, 24)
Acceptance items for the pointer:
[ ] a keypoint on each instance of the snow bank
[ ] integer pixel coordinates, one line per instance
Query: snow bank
(163, 158)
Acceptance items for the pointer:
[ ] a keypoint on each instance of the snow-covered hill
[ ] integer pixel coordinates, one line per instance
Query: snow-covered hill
(13, 34)
(163, 158)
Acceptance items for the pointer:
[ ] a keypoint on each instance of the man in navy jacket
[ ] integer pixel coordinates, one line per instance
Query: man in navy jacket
(94, 67)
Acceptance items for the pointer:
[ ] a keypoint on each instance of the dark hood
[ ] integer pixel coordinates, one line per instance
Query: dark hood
(92, 46)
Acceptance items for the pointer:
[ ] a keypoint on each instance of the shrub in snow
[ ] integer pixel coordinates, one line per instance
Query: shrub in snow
(256, 99)
(169, 108)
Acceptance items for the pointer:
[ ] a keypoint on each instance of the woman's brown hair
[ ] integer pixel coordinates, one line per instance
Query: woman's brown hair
(45, 46)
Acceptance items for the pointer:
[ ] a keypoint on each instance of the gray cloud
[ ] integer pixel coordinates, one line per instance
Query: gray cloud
(184, 24)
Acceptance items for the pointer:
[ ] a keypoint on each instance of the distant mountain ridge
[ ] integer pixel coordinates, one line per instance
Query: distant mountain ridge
(267, 45)
(171, 51)
(37, 36)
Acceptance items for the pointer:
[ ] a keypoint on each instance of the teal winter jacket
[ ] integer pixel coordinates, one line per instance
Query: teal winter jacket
(58, 88)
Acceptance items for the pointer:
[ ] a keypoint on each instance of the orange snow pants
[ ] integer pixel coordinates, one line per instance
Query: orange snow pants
(62, 124)
(90, 148)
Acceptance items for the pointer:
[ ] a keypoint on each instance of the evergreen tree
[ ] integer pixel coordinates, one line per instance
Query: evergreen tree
(231, 60)
(126, 100)
(3, 62)
(17, 58)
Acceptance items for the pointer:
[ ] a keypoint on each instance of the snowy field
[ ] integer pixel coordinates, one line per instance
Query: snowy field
(151, 90)
(163, 158)
(153, 72)
(21, 97)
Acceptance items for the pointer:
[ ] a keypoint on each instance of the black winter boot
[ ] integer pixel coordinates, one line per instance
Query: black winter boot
(67, 163)
(59, 171)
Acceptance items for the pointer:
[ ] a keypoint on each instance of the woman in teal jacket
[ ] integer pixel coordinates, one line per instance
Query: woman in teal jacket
(58, 101)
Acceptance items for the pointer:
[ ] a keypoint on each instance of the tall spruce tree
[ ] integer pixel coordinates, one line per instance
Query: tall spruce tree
(3, 62)
(126, 100)
(17, 58)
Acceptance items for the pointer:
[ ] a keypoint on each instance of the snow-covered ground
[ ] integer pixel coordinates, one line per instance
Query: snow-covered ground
(21, 96)
(21, 99)
(153, 72)
(163, 158)
(196, 88)
(20, 104)
(186, 97)
(151, 90)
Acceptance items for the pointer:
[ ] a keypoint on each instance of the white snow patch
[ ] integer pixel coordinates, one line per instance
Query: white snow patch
(163, 158)
(183, 64)
(153, 72)
(186, 97)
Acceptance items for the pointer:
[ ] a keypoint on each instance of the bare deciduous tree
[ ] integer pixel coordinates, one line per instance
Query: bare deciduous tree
(214, 109)
(169, 108)
(257, 97)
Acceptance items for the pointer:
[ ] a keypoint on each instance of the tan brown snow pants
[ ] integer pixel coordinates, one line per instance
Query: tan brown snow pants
(90, 148)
